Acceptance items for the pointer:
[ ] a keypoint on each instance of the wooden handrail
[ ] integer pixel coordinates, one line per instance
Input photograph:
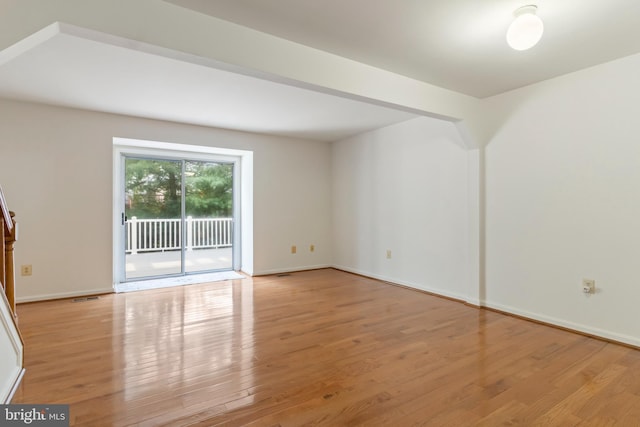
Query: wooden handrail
(7, 264)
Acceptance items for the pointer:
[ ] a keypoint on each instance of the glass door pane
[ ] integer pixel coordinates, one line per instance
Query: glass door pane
(209, 216)
(153, 217)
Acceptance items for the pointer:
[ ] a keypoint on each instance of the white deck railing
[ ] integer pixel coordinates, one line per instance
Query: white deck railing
(149, 235)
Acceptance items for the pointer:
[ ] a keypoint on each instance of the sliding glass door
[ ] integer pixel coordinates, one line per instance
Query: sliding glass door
(177, 218)
(208, 216)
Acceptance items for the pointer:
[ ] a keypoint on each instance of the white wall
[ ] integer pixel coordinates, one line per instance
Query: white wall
(404, 188)
(561, 176)
(563, 200)
(56, 172)
(556, 192)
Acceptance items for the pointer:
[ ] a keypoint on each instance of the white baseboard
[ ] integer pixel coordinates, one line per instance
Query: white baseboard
(608, 335)
(290, 270)
(475, 302)
(596, 332)
(16, 384)
(11, 352)
(62, 295)
(421, 287)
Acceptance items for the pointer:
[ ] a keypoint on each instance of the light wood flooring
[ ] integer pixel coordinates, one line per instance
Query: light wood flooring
(321, 347)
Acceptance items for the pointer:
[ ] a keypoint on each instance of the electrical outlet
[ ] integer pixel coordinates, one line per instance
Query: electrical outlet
(294, 249)
(26, 270)
(388, 253)
(312, 248)
(588, 286)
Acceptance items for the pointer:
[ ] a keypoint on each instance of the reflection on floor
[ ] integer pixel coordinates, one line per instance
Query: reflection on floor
(168, 282)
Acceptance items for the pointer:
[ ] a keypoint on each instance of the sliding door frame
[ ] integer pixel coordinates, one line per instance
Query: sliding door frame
(167, 151)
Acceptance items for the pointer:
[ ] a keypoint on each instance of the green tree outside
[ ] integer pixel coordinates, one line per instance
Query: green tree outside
(153, 189)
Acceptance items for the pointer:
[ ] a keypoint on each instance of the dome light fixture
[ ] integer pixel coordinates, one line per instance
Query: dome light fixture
(526, 29)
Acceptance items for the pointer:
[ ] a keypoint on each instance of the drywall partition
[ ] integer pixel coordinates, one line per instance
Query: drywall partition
(56, 167)
(563, 201)
(404, 189)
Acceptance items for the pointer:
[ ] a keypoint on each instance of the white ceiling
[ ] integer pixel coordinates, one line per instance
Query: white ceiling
(456, 44)
(73, 67)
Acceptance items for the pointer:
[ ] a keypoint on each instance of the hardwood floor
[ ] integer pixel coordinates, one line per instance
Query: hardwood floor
(320, 347)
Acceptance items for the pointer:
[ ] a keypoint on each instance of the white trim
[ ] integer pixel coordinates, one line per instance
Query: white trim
(551, 321)
(474, 301)
(12, 355)
(185, 151)
(16, 384)
(565, 324)
(62, 295)
(170, 282)
(290, 270)
(243, 192)
(437, 291)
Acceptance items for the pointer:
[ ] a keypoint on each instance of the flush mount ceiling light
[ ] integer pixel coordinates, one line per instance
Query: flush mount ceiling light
(526, 30)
